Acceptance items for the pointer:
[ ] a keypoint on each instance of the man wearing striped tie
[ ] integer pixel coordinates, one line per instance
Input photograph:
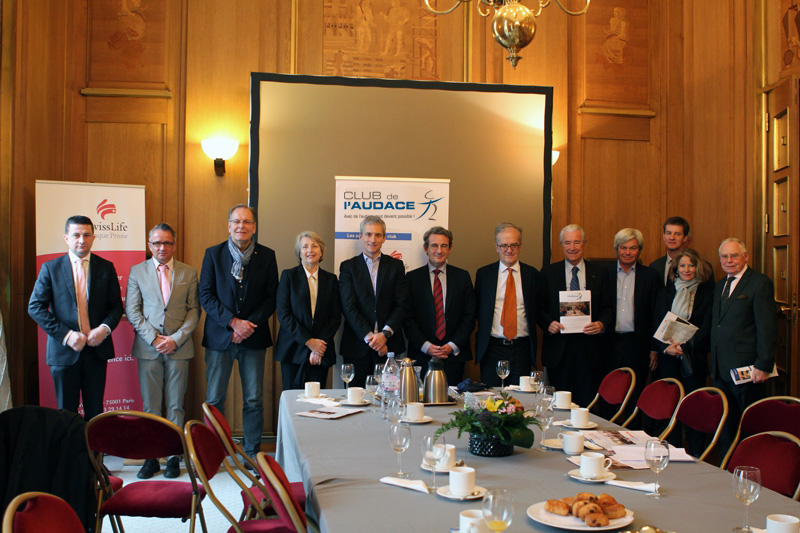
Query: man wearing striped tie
(77, 302)
(441, 311)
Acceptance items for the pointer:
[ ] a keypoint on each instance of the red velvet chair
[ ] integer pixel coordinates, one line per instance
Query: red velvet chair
(40, 512)
(138, 435)
(659, 401)
(616, 389)
(207, 454)
(777, 455)
(704, 410)
(776, 413)
(216, 421)
(280, 492)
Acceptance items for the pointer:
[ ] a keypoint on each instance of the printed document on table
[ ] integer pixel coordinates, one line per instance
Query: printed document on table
(575, 310)
(329, 413)
(675, 328)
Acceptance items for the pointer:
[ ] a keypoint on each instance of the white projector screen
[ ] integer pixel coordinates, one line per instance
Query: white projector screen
(493, 142)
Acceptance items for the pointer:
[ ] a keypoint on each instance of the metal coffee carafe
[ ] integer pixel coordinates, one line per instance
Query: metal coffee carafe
(409, 387)
(435, 383)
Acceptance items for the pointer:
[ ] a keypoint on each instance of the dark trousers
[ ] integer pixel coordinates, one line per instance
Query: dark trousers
(87, 378)
(576, 373)
(625, 353)
(365, 366)
(739, 397)
(518, 354)
(294, 376)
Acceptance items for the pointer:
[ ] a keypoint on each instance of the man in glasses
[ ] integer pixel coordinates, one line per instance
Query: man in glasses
(163, 307)
(505, 300)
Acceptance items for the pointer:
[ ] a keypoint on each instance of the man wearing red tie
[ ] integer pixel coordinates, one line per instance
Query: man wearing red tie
(77, 302)
(505, 299)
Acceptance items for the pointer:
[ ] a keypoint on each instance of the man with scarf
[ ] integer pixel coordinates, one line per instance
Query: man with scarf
(238, 285)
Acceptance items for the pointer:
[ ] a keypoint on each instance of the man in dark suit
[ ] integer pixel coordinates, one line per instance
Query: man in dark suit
(237, 290)
(441, 310)
(575, 361)
(636, 290)
(162, 305)
(77, 302)
(505, 300)
(310, 313)
(744, 329)
(374, 296)
(676, 238)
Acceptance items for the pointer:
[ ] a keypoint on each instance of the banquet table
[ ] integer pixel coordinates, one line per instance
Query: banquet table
(341, 461)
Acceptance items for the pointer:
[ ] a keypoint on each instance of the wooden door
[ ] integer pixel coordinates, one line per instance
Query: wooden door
(782, 231)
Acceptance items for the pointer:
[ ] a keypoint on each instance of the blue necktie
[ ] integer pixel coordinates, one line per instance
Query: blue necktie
(574, 284)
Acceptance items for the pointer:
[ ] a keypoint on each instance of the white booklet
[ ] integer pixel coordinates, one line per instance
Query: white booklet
(675, 328)
(575, 310)
(744, 374)
(329, 413)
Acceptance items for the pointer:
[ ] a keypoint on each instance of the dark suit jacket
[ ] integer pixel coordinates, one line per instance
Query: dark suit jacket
(218, 296)
(552, 280)
(485, 293)
(744, 329)
(294, 314)
(697, 349)
(459, 312)
(362, 307)
(54, 308)
(645, 289)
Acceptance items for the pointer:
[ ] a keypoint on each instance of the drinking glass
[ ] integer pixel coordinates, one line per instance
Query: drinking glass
(547, 394)
(537, 380)
(399, 438)
(498, 509)
(545, 416)
(746, 487)
(656, 455)
(347, 374)
(395, 410)
(503, 370)
(371, 387)
(433, 449)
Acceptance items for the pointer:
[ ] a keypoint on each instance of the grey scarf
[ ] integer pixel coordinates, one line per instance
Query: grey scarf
(240, 258)
(684, 297)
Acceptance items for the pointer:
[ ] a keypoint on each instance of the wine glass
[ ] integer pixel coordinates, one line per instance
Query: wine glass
(545, 415)
(371, 387)
(433, 449)
(503, 369)
(537, 380)
(656, 455)
(399, 438)
(498, 509)
(746, 487)
(347, 374)
(547, 394)
(395, 410)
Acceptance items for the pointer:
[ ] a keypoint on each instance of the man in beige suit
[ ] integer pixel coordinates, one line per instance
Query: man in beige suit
(164, 308)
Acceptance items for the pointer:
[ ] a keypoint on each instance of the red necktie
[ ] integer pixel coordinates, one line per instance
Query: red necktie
(438, 304)
(508, 319)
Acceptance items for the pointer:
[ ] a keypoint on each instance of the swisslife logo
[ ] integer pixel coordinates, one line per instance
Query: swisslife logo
(104, 208)
(116, 230)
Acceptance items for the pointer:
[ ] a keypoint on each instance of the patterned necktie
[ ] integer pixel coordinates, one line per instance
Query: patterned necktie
(438, 305)
(508, 318)
(312, 291)
(726, 291)
(80, 296)
(163, 280)
(574, 284)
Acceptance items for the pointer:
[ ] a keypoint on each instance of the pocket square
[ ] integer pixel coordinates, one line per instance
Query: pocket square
(742, 297)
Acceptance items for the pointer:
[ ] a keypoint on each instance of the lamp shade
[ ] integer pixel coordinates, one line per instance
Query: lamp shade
(219, 147)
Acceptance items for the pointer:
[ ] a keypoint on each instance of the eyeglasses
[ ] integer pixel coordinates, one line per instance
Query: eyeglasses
(236, 222)
(514, 246)
(159, 244)
(725, 257)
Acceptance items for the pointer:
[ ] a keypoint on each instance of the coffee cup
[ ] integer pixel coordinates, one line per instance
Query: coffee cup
(462, 480)
(782, 523)
(448, 460)
(312, 389)
(594, 465)
(579, 417)
(563, 399)
(471, 521)
(571, 442)
(525, 383)
(355, 395)
(415, 411)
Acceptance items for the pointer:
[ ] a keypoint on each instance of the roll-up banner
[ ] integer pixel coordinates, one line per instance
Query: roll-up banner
(117, 212)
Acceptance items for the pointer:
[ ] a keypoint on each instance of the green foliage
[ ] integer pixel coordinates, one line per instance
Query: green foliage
(502, 416)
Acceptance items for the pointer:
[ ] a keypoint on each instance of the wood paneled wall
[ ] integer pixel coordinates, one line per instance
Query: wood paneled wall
(683, 144)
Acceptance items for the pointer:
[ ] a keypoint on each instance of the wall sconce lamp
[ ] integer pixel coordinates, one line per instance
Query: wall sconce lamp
(219, 149)
(554, 157)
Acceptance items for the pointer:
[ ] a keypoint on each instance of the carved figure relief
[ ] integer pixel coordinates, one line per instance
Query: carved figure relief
(616, 37)
(790, 33)
(128, 40)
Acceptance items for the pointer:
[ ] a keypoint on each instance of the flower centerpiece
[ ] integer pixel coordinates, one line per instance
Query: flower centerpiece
(494, 427)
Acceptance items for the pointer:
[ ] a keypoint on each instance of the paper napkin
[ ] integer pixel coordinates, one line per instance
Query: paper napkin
(635, 485)
(413, 484)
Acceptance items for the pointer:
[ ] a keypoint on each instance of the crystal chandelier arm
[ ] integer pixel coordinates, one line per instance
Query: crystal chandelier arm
(574, 13)
(446, 11)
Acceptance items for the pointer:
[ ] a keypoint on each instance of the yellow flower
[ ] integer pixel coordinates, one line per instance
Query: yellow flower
(492, 404)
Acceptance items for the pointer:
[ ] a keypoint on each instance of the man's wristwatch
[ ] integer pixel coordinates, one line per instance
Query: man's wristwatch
(387, 333)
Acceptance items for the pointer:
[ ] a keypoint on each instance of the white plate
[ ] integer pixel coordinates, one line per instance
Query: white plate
(553, 444)
(525, 391)
(302, 396)
(537, 513)
(576, 474)
(573, 405)
(425, 420)
(365, 402)
(590, 425)
(445, 492)
(439, 469)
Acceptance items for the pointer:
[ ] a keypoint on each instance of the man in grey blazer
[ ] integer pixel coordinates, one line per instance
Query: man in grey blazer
(163, 307)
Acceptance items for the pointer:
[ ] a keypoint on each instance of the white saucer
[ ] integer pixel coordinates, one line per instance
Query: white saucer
(576, 474)
(302, 396)
(439, 469)
(364, 402)
(445, 492)
(526, 391)
(425, 420)
(573, 405)
(590, 425)
(553, 444)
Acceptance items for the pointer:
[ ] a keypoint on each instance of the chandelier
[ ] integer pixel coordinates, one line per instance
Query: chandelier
(513, 24)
